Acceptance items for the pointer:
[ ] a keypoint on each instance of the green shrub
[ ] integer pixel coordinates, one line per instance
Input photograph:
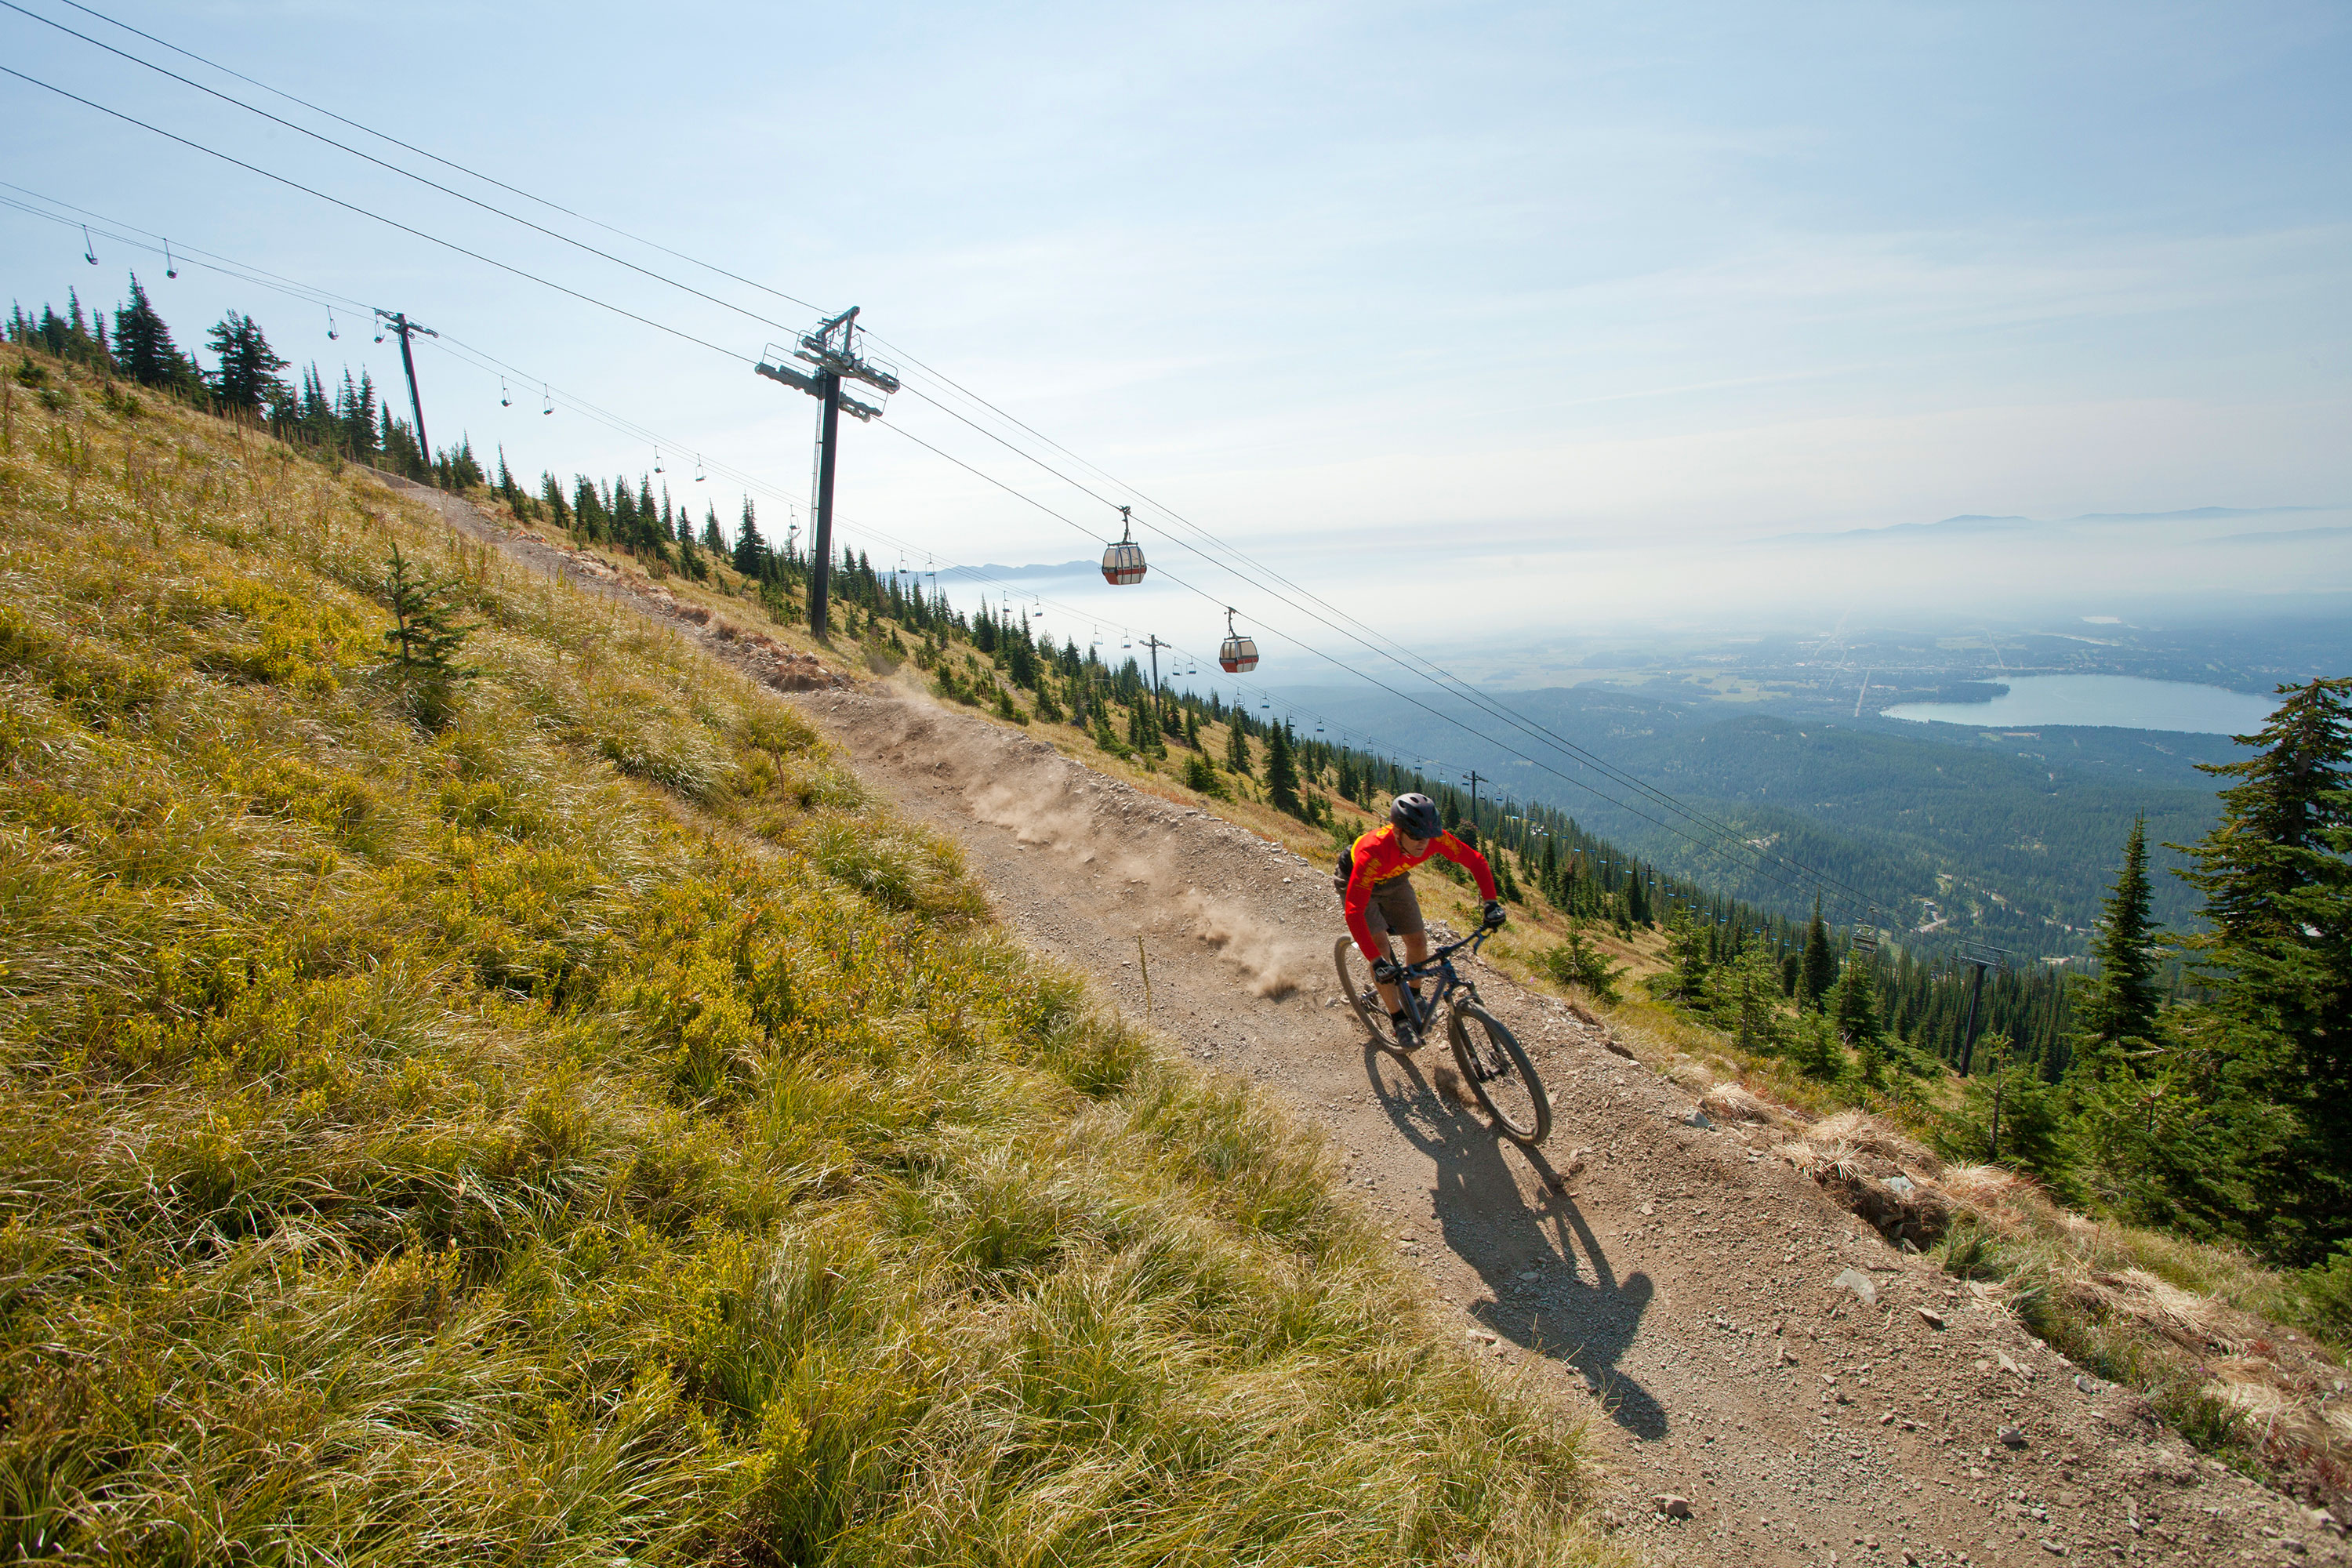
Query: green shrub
(2327, 1298)
(1200, 775)
(1579, 962)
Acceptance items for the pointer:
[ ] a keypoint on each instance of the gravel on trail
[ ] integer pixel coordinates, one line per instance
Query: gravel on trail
(1662, 1277)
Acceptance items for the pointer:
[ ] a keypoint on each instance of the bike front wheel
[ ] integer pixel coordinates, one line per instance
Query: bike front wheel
(1356, 985)
(1500, 1075)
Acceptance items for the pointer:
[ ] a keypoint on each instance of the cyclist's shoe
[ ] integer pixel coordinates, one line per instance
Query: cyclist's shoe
(1407, 1039)
(1495, 915)
(1387, 970)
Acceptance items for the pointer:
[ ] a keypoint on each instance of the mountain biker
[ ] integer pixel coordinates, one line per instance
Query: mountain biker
(1375, 890)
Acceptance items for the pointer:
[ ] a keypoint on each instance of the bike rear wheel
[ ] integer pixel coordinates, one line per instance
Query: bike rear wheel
(1500, 1075)
(1356, 985)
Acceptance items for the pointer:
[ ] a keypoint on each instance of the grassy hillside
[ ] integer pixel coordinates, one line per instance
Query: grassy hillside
(548, 1113)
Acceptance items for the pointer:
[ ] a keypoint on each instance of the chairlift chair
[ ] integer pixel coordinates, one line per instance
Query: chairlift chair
(1237, 654)
(1865, 939)
(332, 333)
(1122, 564)
(88, 250)
(171, 272)
(506, 398)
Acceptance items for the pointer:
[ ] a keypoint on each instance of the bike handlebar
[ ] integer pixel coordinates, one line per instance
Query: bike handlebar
(1430, 965)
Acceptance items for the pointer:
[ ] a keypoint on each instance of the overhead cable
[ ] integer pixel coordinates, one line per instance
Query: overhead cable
(445, 163)
(390, 222)
(405, 173)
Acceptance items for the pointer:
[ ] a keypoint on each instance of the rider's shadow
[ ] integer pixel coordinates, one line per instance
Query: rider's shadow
(1490, 1224)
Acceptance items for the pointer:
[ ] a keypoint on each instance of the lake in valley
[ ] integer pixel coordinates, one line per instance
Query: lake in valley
(2119, 701)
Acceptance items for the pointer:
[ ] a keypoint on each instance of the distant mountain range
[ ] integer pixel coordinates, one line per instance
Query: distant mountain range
(1975, 523)
(992, 573)
(2282, 535)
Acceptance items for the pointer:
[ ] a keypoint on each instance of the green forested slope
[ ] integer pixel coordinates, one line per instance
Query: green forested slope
(2011, 841)
(538, 1109)
(2019, 850)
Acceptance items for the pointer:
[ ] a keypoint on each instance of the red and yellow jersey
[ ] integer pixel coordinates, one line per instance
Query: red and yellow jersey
(1378, 857)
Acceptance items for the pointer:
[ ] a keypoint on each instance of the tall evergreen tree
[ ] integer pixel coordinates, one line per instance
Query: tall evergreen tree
(1819, 969)
(751, 550)
(1855, 1006)
(246, 382)
(2124, 997)
(1237, 748)
(1281, 773)
(2276, 873)
(144, 349)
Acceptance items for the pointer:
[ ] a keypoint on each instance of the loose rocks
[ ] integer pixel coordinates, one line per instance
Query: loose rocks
(1855, 1281)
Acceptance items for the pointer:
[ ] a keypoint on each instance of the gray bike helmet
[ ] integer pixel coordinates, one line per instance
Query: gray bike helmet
(1415, 816)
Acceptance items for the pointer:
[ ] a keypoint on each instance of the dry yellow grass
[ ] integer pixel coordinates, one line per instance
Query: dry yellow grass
(569, 1122)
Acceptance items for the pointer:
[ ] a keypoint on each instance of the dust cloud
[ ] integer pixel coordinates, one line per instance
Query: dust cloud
(1276, 963)
(1046, 803)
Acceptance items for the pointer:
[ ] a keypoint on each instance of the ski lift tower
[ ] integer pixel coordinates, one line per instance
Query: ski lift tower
(1980, 956)
(836, 348)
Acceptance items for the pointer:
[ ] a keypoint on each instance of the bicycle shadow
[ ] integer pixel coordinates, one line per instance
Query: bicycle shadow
(1488, 1221)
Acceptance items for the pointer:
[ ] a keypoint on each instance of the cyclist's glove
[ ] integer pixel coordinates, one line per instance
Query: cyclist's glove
(1495, 916)
(1387, 970)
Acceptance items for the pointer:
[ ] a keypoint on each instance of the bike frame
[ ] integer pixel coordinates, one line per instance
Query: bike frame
(1438, 966)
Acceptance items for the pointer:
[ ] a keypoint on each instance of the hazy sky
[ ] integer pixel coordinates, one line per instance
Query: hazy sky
(1351, 284)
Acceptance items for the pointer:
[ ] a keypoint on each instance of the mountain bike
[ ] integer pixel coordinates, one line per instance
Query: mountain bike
(1496, 1070)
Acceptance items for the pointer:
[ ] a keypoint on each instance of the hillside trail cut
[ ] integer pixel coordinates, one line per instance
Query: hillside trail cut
(1765, 1380)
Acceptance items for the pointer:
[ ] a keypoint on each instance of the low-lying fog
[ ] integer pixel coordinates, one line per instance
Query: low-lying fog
(1520, 606)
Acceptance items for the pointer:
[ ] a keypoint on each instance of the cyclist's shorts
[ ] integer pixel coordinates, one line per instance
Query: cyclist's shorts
(1394, 908)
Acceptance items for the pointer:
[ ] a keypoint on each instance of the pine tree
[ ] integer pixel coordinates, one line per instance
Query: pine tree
(1756, 1003)
(246, 382)
(1282, 773)
(1237, 749)
(1687, 943)
(1855, 1006)
(550, 495)
(424, 641)
(2276, 873)
(508, 489)
(751, 550)
(1818, 970)
(144, 349)
(2124, 998)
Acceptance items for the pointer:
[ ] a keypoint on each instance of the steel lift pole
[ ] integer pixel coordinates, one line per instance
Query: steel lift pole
(828, 443)
(832, 349)
(399, 323)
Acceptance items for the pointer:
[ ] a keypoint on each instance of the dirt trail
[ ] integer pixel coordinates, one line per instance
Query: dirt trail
(1668, 1279)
